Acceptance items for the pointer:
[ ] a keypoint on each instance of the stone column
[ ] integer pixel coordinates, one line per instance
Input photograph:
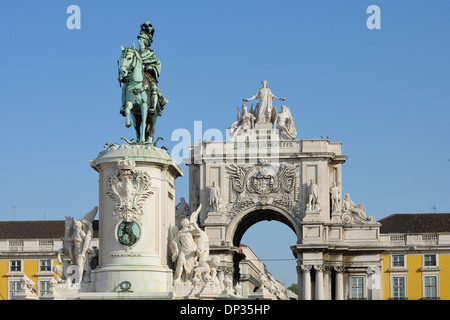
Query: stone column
(306, 281)
(299, 282)
(327, 283)
(339, 294)
(319, 281)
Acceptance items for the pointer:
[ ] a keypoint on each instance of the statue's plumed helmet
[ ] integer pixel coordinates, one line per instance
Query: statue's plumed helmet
(147, 26)
(147, 32)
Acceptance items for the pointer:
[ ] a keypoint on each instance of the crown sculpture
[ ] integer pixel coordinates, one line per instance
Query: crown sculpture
(126, 164)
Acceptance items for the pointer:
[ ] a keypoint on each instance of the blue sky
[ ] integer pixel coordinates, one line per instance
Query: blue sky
(383, 93)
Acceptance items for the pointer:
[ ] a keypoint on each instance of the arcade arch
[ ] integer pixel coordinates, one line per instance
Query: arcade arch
(246, 219)
(242, 221)
(271, 242)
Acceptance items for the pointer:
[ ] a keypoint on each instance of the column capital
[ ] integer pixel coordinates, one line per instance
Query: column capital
(339, 269)
(306, 267)
(319, 267)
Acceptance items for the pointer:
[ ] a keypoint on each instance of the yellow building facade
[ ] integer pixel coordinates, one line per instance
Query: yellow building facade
(416, 263)
(416, 276)
(30, 248)
(38, 269)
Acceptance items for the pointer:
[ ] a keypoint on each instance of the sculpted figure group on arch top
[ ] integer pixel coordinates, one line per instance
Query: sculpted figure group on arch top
(264, 116)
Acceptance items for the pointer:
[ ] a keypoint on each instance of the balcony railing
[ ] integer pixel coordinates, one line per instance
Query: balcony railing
(34, 245)
(415, 238)
(397, 238)
(15, 245)
(430, 237)
(46, 244)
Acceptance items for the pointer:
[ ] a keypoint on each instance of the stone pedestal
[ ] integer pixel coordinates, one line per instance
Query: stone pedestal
(262, 294)
(25, 294)
(336, 217)
(136, 212)
(209, 292)
(263, 126)
(63, 292)
(312, 215)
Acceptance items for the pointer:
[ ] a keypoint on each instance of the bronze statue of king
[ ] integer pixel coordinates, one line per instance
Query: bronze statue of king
(142, 100)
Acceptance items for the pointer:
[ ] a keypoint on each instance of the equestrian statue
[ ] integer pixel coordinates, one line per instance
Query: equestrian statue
(142, 100)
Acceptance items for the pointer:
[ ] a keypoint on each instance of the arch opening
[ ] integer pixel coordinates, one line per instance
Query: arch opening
(267, 233)
(255, 216)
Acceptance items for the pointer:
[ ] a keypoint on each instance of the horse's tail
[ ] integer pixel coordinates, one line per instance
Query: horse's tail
(157, 140)
(128, 141)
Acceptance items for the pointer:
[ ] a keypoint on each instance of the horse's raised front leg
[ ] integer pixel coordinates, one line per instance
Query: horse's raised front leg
(128, 108)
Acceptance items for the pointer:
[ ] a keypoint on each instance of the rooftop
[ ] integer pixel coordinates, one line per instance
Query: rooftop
(36, 229)
(415, 223)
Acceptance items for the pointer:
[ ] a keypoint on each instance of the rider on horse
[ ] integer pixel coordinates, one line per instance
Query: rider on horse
(152, 68)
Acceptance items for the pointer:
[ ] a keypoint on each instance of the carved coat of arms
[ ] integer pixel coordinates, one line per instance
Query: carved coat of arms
(262, 183)
(129, 188)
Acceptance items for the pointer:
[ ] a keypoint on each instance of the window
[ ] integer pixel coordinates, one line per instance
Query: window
(398, 288)
(14, 287)
(15, 265)
(44, 287)
(357, 288)
(45, 265)
(430, 287)
(398, 261)
(429, 260)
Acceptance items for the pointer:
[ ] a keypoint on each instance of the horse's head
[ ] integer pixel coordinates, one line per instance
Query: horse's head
(128, 60)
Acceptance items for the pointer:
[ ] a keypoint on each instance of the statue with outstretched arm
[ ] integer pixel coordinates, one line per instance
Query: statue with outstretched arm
(264, 107)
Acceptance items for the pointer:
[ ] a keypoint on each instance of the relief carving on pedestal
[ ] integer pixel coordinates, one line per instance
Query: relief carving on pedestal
(262, 184)
(129, 188)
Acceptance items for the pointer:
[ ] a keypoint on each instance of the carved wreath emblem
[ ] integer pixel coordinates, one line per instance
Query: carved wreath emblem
(263, 182)
(129, 188)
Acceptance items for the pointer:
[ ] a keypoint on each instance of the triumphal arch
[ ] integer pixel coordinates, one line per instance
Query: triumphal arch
(263, 171)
